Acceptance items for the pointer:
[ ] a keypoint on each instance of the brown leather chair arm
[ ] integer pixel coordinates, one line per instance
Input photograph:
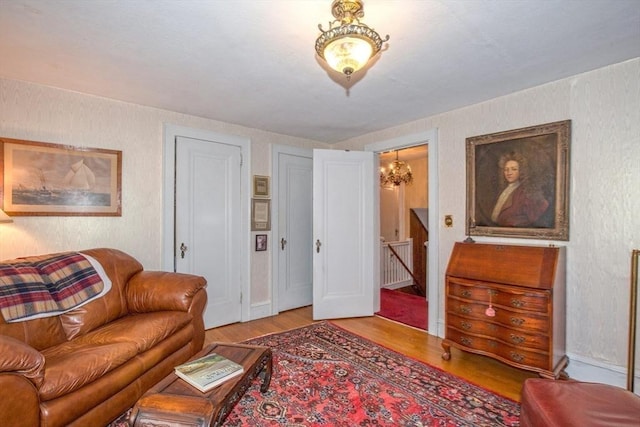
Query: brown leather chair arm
(159, 290)
(19, 358)
(19, 402)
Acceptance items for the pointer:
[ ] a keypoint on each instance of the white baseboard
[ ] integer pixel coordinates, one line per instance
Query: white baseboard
(398, 285)
(589, 370)
(585, 369)
(260, 310)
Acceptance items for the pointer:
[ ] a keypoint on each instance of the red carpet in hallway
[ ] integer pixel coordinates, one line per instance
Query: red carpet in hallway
(404, 308)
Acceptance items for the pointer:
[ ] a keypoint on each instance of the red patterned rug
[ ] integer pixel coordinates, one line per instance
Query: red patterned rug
(326, 376)
(404, 308)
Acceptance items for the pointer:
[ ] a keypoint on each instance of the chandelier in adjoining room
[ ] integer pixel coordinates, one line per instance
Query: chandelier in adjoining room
(397, 173)
(348, 44)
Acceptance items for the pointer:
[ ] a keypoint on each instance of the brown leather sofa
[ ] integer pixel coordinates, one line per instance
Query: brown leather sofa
(89, 365)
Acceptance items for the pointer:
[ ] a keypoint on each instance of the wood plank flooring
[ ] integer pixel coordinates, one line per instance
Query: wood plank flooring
(412, 342)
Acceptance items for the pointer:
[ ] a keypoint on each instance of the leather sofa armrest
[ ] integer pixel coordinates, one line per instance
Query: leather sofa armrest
(16, 357)
(149, 291)
(19, 401)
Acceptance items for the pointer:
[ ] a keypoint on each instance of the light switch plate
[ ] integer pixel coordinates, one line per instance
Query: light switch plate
(448, 221)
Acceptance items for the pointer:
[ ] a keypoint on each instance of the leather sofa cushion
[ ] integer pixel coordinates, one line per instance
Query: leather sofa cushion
(74, 364)
(120, 267)
(38, 333)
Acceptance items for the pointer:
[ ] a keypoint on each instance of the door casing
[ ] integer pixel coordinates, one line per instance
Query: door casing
(171, 132)
(430, 137)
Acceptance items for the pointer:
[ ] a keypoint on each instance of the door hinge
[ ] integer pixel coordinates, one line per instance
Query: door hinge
(241, 159)
(240, 297)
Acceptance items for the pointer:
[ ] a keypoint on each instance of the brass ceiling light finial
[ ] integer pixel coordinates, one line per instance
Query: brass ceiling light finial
(348, 44)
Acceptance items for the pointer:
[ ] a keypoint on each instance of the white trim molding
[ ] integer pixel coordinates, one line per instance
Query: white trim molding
(589, 370)
(171, 132)
(430, 138)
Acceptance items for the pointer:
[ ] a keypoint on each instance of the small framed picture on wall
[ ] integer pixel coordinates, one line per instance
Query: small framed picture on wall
(261, 186)
(260, 215)
(261, 242)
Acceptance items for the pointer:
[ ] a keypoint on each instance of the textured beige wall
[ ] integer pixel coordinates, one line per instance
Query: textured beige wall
(604, 106)
(39, 113)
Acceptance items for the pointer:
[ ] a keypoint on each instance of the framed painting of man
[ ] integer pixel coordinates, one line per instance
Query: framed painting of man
(43, 179)
(518, 182)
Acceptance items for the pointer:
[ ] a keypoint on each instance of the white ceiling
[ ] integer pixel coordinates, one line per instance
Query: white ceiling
(253, 63)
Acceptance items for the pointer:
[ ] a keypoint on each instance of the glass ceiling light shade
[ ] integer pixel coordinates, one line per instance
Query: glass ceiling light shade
(348, 44)
(398, 173)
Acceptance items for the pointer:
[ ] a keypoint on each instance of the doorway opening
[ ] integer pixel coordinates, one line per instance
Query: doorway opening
(404, 236)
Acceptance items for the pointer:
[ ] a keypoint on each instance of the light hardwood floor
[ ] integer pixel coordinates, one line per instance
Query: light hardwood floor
(412, 342)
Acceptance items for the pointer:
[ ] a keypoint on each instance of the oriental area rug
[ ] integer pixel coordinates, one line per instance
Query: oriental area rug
(403, 308)
(325, 376)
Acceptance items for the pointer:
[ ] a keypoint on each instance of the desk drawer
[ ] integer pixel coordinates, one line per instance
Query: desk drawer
(512, 297)
(499, 332)
(511, 354)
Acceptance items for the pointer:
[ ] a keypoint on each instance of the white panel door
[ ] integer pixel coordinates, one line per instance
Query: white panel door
(208, 229)
(295, 202)
(346, 262)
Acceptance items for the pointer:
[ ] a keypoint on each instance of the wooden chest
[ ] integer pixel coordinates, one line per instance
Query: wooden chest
(508, 302)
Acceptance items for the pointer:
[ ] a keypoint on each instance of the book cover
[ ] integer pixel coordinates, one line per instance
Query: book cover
(209, 371)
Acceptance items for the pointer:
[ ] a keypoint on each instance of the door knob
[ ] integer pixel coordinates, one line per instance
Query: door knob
(183, 249)
(282, 243)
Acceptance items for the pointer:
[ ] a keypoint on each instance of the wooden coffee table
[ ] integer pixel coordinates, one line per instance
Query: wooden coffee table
(173, 402)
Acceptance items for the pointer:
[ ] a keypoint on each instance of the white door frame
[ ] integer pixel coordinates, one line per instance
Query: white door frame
(275, 225)
(430, 138)
(168, 186)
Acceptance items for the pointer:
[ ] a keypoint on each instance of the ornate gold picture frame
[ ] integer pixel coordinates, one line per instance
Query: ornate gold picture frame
(518, 183)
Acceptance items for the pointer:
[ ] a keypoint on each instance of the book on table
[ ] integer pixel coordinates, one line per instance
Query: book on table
(209, 371)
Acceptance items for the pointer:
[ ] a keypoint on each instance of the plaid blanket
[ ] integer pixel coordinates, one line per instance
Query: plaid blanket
(48, 285)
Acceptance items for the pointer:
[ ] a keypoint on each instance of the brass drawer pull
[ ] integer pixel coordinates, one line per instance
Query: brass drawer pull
(465, 293)
(516, 321)
(466, 341)
(465, 309)
(493, 344)
(465, 325)
(517, 303)
(517, 356)
(517, 339)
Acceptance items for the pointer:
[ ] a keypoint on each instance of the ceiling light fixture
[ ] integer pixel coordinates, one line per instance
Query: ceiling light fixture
(398, 173)
(348, 44)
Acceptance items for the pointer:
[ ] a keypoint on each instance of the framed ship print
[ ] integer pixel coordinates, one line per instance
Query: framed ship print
(43, 179)
(518, 183)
